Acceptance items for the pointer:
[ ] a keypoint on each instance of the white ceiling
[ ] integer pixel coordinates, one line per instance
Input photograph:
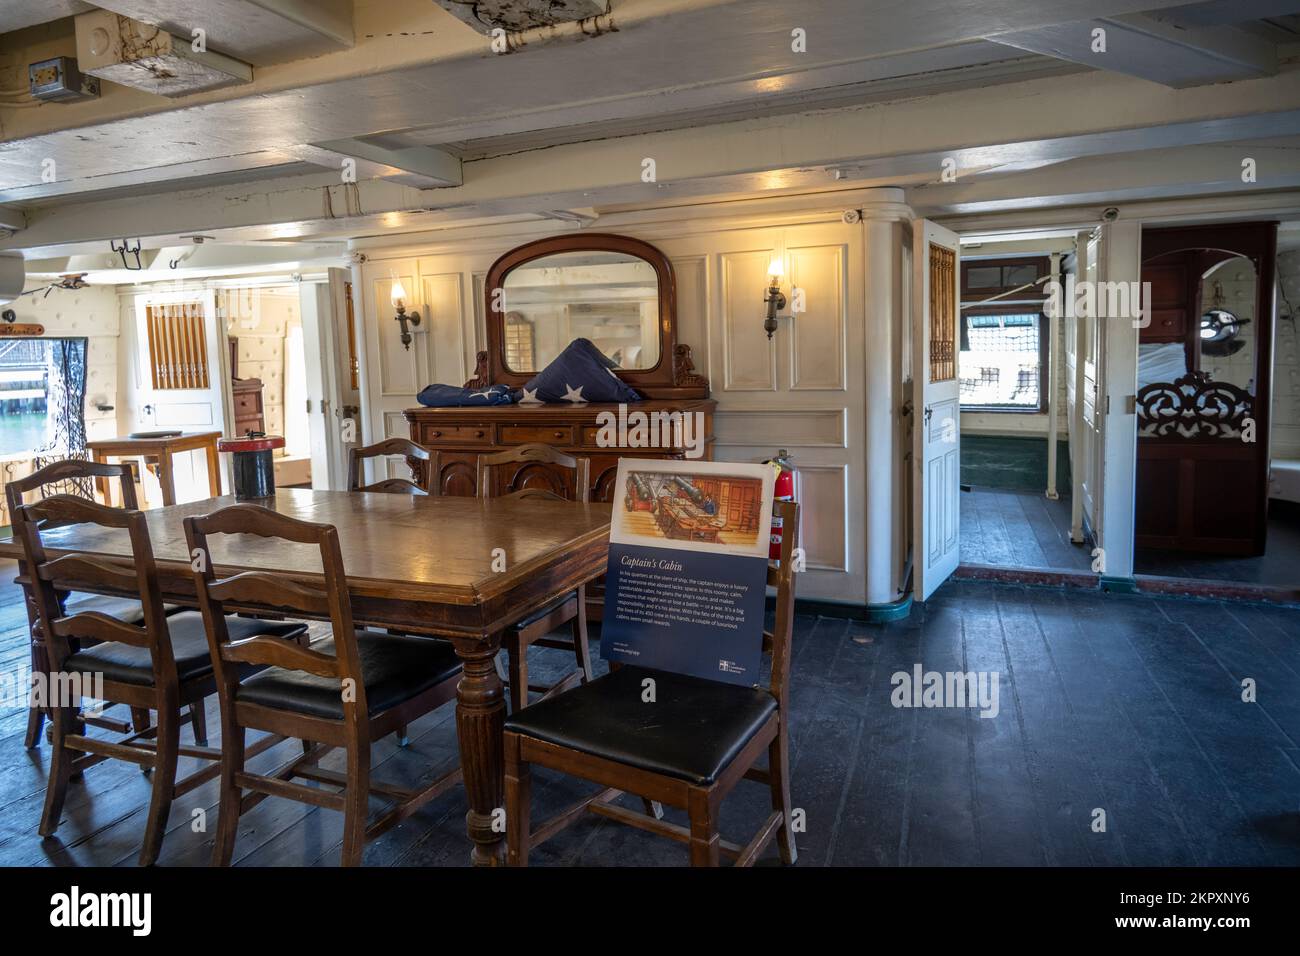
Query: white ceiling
(413, 92)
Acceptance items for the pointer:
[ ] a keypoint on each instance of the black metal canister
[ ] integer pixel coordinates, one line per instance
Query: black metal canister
(254, 468)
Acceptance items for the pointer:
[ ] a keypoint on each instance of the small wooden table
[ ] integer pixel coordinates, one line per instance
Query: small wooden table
(162, 449)
(415, 564)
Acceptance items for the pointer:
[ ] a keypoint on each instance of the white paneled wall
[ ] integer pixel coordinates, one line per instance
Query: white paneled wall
(1286, 360)
(801, 391)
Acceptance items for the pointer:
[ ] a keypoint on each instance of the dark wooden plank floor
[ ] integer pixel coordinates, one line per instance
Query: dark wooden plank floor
(1014, 529)
(1278, 566)
(1129, 704)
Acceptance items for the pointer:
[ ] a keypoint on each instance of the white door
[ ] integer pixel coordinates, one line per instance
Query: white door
(936, 437)
(184, 377)
(346, 410)
(1092, 436)
(323, 432)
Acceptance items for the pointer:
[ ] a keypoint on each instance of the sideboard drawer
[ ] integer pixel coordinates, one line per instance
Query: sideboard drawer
(455, 435)
(546, 434)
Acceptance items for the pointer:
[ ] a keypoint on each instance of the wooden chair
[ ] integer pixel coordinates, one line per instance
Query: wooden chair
(393, 446)
(344, 691)
(65, 473)
(159, 664)
(535, 474)
(688, 749)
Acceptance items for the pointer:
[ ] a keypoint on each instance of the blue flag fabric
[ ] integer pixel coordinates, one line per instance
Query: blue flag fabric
(452, 396)
(581, 373)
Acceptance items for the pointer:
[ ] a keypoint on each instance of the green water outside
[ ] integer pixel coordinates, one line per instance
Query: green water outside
(21, 431)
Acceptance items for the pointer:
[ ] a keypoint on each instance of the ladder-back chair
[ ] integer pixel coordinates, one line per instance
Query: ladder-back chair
(539, 471)
(61, 475)
(385, 449)
(344, 691)
(688, 748)
(160, 664)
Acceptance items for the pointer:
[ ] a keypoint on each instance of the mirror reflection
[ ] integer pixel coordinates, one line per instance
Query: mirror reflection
(1227, 331)
(611, 298)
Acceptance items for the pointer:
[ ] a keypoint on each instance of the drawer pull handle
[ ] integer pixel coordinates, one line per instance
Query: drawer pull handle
(559, 434)
(478, 434)
(437, 434)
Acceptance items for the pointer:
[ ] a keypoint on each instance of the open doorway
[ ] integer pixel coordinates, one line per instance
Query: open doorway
(1016, 509)
(1218, 480)
(294, 374)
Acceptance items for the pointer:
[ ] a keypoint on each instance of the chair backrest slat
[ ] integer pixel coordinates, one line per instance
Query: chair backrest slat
(393, 446)
(100, 627)
(281, 591)
(72, 470)
(262, 587)
(71, 571)
(277, 652)
(50, 579)
(537, 462)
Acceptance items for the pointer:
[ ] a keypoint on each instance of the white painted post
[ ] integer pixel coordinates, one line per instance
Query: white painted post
(1053, 363)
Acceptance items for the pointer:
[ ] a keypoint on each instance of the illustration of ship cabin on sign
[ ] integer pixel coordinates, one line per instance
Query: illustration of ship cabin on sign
(709, 508)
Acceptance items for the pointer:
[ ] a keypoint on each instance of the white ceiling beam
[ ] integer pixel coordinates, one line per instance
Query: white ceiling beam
(217, 166)
(260, 32)
(901, 143)
(12, 217)
(1112, 179)
(423, 167)
(1153, 48)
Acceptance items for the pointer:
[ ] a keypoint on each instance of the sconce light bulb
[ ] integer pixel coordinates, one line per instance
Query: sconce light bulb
(776, 268)
(398, 294)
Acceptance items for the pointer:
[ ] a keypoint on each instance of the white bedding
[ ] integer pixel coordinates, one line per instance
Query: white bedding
(1284, 479)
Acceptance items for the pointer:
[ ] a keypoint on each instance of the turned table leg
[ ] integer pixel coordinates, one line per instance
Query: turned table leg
(214, 468)
(480, 714)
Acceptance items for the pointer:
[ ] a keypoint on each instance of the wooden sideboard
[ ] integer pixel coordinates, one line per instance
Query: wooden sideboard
(460, 435)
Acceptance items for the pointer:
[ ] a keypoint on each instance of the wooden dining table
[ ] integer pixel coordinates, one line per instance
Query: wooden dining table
(458, 568)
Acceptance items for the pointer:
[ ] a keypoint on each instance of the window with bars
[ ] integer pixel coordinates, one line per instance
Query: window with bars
(178, 345)
(1002, 360)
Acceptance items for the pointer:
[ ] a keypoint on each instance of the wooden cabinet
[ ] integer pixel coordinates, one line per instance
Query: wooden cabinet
(460, 435)
(249, 414)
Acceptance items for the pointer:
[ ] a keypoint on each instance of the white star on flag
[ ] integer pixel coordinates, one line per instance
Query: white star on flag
(573, 394)
(530, 397)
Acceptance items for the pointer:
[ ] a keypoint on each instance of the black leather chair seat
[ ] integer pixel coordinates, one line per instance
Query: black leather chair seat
(133, 665)
(394, 668)
(541, 612)
(692, 731)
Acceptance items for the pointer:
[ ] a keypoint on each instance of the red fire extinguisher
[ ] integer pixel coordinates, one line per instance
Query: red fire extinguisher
(782, 490)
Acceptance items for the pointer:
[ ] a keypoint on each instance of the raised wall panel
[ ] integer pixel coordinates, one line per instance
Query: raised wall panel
(397, 367)
(749, 359)
(442, 315)
(794, 428)
(693, 307)
(817, 333)
(822, 493)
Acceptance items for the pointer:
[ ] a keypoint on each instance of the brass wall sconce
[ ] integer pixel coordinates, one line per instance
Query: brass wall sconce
(773, 297)
(407, 320)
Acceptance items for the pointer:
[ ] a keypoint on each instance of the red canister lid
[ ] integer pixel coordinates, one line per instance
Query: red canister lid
(261, 443)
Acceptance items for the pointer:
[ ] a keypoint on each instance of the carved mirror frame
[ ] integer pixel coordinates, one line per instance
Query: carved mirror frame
(672, 377)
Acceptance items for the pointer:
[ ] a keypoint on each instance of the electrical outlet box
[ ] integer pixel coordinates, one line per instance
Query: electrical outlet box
(59, 81)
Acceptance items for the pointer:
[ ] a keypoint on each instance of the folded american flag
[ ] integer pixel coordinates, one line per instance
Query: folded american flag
(452, 396)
